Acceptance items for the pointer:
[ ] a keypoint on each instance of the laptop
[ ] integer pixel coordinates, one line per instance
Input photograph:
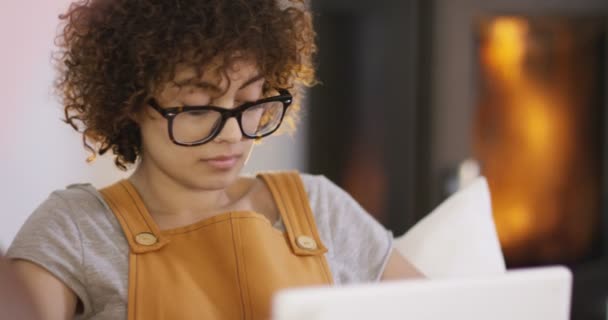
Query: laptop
(525, 294)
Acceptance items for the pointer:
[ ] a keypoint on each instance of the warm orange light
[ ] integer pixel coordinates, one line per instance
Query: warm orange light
(538, 125)
(518, 222)
(530, 144)
(506, 46)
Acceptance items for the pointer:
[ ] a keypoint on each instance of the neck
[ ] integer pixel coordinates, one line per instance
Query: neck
(164, 196)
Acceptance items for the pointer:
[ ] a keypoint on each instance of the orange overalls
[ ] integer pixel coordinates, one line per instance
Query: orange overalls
(224, 267)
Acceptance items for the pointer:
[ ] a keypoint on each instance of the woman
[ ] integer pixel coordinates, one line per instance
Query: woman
(181, 89)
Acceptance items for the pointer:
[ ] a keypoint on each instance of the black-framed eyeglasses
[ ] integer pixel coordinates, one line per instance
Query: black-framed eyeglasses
(195, 125)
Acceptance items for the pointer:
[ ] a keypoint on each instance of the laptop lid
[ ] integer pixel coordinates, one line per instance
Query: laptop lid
(524, 294)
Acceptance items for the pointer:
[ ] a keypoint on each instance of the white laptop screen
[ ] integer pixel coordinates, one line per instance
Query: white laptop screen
(526, 294)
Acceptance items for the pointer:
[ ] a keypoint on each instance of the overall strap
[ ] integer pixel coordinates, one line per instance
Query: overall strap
(141, 231)
(292, 201)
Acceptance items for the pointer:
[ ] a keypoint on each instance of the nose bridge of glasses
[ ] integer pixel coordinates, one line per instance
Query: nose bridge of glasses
(230, 128)
(233, 113)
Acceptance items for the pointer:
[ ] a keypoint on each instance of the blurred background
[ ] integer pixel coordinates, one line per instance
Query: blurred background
(420, 96)
(417, 97)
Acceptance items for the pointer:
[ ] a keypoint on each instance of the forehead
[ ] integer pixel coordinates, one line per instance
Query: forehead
(216, 72)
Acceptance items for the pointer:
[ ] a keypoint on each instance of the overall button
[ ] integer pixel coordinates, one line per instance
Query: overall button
(146, 239)
(306, 242)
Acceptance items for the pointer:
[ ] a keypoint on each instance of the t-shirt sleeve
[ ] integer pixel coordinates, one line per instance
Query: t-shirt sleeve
(51, 239)
(359, 246)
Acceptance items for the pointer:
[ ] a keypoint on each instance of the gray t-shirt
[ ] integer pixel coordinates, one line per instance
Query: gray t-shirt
(75, 236)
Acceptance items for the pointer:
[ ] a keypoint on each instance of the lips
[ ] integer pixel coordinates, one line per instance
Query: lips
(223, 158)
(223, 162)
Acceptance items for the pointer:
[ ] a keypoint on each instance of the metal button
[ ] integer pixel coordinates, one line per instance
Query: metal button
(146, 239)
(306, 242)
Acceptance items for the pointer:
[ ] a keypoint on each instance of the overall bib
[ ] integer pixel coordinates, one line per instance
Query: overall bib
(224, 267)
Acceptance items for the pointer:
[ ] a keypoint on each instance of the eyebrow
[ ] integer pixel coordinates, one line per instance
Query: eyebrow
(191, 80)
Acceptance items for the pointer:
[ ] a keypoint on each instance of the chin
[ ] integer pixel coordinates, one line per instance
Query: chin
(213, 179)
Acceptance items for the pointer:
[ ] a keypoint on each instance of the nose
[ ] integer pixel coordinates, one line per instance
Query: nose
(230, 133)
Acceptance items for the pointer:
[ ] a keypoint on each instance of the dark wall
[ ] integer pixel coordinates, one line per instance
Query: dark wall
(371, 103)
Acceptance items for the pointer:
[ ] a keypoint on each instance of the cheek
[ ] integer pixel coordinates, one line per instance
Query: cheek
(158, 145)
(248, 146)
(249, 151)
(154, 131)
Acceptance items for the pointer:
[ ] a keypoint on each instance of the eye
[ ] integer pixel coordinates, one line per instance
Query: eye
(198, 113)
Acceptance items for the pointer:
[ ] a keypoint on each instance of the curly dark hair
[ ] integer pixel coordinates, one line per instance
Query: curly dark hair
(114, 54)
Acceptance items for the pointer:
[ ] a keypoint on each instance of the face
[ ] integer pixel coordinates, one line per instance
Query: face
(217, 163)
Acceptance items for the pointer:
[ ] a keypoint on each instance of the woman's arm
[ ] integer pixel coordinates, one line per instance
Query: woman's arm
(15, 300)
(398, 267)
(50, 296)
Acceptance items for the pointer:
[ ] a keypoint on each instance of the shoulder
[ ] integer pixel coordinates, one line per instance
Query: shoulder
(62, 206)
(359, 246)
(79, 196)
(323, 195)
(70, 213)
(315, 182)
(327, 199)
(74, 197)
(69, 218)
(63, 236)
(79, 204)
(321, 190)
